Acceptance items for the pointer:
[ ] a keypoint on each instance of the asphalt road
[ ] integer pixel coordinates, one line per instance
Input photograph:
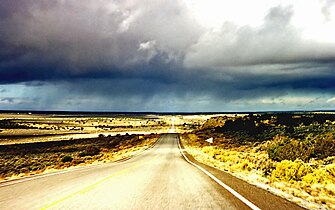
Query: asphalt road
(159, 178)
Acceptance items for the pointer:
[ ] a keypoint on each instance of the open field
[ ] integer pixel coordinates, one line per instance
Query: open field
(292, 155)
(32, 144)
(25, 128)
(17, 160)
(36, 143)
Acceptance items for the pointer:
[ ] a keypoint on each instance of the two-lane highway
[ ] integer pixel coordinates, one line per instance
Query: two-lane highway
(158, 178)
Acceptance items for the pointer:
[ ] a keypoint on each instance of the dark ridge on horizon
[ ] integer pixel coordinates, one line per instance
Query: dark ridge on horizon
(108, 113)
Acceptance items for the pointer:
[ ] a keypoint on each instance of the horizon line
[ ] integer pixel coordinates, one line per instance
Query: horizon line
(156, 112)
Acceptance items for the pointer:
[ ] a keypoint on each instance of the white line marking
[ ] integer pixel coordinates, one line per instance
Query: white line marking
(236, 194)
(38, 176)
(24, 179)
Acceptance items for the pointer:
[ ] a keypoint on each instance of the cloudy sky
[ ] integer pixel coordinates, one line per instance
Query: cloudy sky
(163, 55)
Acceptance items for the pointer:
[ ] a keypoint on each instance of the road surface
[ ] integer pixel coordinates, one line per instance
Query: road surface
(159, 178)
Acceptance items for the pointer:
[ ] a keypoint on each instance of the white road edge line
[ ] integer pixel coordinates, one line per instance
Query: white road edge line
(236, 194)
(38, 176)
(25, 179)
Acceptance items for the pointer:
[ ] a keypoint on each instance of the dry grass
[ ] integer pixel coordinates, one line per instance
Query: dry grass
(186, 123)
(39, 128)
(309, 184)
(32, 144)
(34, 158)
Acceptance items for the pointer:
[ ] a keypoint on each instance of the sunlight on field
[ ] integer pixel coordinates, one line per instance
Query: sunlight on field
(24, 128)
(290, 155)
(33, 144)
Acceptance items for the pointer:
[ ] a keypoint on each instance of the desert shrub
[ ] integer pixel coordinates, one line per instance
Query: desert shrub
(9, 124)
(48, 163)
(318, 176)
(77, 161)
(67, 158)
(220, 157)
(24, 170)
(331, 170)
(329, 160)
(324, 147)
(267, 166)
(90, 151)
(207, 149)
(283, 148)
(291, 171)
(243, 165)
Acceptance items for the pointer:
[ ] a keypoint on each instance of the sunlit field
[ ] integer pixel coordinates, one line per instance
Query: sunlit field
(292, 155)
(37, 143)
(289, 154)
(24, 128)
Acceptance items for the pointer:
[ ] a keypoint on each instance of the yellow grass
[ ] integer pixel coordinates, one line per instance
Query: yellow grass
(311, 187)
(54, 128)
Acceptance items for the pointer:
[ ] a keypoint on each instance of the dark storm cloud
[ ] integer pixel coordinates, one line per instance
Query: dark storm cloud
(73, 39)
(119, 50)
(229, 87)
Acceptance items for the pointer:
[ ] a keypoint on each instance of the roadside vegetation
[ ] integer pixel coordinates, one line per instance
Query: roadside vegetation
(292, 155)
(36, 143)
(27, 128)
(18, 160)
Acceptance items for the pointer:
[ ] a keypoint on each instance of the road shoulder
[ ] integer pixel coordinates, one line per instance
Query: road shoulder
(260, 197)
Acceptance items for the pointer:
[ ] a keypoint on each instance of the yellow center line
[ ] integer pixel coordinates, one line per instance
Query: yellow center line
(92, 186)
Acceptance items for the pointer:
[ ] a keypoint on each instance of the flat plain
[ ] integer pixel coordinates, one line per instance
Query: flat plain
(288, 154)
